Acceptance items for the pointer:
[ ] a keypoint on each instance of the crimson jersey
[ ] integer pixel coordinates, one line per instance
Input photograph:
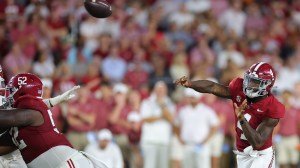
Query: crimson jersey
(35, 140)
(255, 113)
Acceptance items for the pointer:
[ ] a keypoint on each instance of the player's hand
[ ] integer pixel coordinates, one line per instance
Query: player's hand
(239, 110)
(68, 95)
(183, 81)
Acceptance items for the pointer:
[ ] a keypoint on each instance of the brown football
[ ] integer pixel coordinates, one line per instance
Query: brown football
(98, 8)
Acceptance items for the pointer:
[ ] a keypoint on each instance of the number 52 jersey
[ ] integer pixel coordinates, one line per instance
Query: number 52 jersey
(33, 141)
(255, 113)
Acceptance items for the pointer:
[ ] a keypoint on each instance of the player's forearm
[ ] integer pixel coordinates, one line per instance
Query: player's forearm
(253, 137)
(203, 86)
(206, 86)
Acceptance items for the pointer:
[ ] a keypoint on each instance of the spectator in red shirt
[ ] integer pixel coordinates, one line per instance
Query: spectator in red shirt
(255, 20)
(92, 78)
(63, 78)
(130, 30)
(125, 49)
(287, 138)
(56, 24)
(105, 43)
(202, 52)
(11, 11)
(134, 136)
(15, 61)
(27, 35)
(81, 117)
(135, 128)
(117, 119)
(105, 102)
(136, 76)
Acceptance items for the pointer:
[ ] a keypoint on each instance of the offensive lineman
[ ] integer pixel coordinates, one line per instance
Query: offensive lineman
(14, 159)
(33, 130)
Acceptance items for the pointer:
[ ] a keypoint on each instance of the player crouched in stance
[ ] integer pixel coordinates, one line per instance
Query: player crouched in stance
(257, 112)
(33, 130)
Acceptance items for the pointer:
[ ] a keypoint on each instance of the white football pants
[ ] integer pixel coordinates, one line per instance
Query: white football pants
(12, 160)
(255, 159)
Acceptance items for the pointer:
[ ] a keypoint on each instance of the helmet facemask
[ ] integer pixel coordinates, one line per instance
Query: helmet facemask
(10, 98)
(255, 87)
(4, 95)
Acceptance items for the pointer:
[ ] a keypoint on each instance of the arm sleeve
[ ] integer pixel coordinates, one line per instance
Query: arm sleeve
(233, 87)
(232, 84)
(51, 102)
(47, 102)
(276, 111)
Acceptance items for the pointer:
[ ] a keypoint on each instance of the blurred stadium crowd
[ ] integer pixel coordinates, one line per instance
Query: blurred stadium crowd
(126, 65)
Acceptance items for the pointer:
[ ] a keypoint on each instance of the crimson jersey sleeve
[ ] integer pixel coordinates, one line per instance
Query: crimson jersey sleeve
(233, 85)
(276, 109)
(236, 90)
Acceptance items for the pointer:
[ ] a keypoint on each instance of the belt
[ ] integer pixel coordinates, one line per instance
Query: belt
(253, 153)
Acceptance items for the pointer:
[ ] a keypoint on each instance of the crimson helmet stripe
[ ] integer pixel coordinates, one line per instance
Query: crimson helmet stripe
(257, 66)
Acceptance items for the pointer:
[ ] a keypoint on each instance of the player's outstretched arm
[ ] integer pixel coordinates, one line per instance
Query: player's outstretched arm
(20, 117)
(66, 96)
(257, 138)
(205, 86)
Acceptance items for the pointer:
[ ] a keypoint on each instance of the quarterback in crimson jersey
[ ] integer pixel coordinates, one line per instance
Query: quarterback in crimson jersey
(33, 130)
(257, 112)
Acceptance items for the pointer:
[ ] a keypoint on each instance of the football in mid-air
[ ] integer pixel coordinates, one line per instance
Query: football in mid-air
(98, 8)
